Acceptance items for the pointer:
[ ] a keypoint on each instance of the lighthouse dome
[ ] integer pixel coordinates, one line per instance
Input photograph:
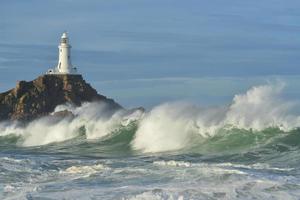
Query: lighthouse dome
(64, 35)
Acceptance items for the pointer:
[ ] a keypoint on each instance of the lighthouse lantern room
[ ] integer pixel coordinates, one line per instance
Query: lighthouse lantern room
(64, 65)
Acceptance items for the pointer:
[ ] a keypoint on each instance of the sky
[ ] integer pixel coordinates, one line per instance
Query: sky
(146, 52)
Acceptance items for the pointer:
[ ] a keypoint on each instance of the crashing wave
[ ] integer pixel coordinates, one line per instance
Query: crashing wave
(174, 126)
(167, 127)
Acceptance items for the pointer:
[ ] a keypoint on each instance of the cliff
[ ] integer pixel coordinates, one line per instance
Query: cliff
(29, 100)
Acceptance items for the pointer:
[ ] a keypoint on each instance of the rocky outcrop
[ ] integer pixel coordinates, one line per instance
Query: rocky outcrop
(33, 99)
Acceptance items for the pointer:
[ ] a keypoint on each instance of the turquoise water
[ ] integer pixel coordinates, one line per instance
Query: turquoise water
(249, 149)
(236, 165)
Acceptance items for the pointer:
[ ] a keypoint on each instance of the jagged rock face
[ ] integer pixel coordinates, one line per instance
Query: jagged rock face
(39, 97)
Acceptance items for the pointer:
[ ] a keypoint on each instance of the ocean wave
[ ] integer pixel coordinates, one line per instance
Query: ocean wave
(174, 126)
(258, 117)
(93, 120)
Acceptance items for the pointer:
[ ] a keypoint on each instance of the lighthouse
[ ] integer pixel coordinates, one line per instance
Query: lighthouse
(64, 65)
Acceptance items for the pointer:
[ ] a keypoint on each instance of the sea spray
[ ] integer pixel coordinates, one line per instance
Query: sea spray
(169, 126)
(174, 126)
(262, 107)
(215, 153)
(95, 118)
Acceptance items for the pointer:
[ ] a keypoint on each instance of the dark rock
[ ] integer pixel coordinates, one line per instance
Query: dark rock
(33, 99)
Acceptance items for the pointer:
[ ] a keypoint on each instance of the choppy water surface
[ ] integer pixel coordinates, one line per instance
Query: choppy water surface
(247, 150)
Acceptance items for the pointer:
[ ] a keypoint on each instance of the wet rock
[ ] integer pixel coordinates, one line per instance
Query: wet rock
(37, 98)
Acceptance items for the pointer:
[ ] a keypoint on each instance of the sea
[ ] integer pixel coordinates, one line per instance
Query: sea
(246, 149)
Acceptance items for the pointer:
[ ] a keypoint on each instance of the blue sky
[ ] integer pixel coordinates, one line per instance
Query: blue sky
(143, 52)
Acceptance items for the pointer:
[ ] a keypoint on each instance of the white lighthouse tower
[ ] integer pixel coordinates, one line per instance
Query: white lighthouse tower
(64, 65)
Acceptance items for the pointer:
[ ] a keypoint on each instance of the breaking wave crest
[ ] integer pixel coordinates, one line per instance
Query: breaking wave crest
(259, 116)
(93, 120)
(173, 126)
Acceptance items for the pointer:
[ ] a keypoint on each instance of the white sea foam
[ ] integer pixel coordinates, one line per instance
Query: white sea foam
(263, 166)
(87, 170)
(206, 169)
(156, 195)
(173, 163)
(167, 127)
(174, 126)
(9, 188)
(219, 189)
(8, 128)
(262, 107)
(97, 119)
